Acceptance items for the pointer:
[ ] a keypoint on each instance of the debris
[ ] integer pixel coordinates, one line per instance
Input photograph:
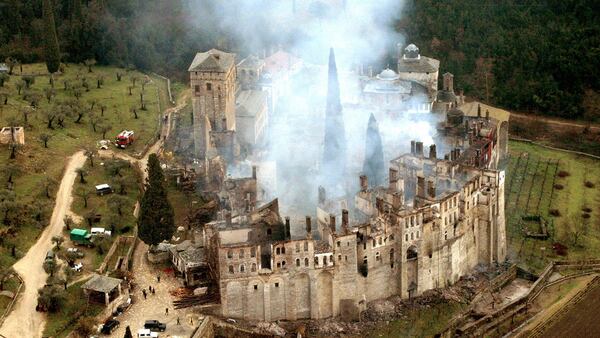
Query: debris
(271, 328)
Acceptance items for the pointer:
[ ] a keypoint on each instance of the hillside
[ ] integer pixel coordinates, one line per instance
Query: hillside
(60, 122)
(534, 56)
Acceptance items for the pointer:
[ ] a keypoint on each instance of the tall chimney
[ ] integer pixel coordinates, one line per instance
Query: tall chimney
(364, 183)
(254, 172)
(413, 147)
(379, 205)
(393, 178)
(449, 82)
(419, 148)
(322, 196)
(308, 226)
(431, 188)
(228, 217)
(288, 233)
(487, 114)
(420, 186)
(432, 152)
(345, 220)
(332, 223)
(397, 200)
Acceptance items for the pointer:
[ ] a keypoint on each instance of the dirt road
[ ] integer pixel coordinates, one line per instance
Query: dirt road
(556, 122)
(24, 321)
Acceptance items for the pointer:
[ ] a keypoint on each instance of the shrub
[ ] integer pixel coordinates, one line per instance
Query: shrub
(589, 184)
(558, 186)
(554, 212)
(563, 173)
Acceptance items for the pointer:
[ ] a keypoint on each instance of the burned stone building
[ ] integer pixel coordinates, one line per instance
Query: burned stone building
(435, 220)
(437, 215)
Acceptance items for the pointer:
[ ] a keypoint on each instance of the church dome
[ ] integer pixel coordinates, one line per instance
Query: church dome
(411, 52)
(388, 74)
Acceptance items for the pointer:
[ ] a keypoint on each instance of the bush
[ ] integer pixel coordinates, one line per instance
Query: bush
(125, 229)
(554, 212)
(586, 209)
(51, 298)
(563, 173)
(558, 186)
(589, 184)
(85, 327)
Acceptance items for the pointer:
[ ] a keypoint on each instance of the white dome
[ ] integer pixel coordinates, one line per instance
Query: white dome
(388, 74)
(412, 48)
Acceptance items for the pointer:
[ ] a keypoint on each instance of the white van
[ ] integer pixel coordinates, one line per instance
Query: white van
(100, 232)
(103, 189)
(146, 333)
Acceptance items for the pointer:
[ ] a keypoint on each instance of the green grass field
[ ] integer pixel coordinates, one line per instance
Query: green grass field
(35, 164)
(533, 187)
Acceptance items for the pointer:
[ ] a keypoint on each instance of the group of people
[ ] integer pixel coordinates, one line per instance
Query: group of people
(150, 288)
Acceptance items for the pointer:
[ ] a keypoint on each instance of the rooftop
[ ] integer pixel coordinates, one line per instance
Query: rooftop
(101, 283)
(421, 65)
(250, 102)
(214, 60)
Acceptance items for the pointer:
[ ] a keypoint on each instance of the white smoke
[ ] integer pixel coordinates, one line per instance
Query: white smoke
(362, 33)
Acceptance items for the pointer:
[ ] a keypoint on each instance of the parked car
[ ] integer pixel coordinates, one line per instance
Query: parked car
(100, 232)
(122, 307)
(77, 267)
(109, 326)
(155, 325)
(103, 189)
(75, 252)
(49, 255)
(146, 333)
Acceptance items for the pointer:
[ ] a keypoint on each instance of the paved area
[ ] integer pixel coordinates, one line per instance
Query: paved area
(153, 307)
(24, 321)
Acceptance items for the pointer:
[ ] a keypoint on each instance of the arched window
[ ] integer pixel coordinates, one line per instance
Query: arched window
(283, 250)
(242, 268)
(277, 251)
(392, 258)
(411, 253)
(340, 258)
(253, 268)
(231, 269)
(269, 232)
(278, 265)
(324, 260)
(305, 261)
(229, 254)
(391, 237)
(377, 256)
(282, 264)
(297, 261)
(316, 261)
(406, 237)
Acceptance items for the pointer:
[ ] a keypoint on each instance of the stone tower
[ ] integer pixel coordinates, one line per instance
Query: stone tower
(213, 82)
(333, 165)
(373, 165)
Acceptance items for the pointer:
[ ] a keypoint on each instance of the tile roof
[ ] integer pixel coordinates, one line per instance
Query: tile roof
(214, 60)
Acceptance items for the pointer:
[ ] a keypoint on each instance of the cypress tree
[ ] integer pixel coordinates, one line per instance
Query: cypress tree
(156, 220)
(52, 51)
(373, 165)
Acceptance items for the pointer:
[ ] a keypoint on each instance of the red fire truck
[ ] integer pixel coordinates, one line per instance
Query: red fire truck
(125, 138)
